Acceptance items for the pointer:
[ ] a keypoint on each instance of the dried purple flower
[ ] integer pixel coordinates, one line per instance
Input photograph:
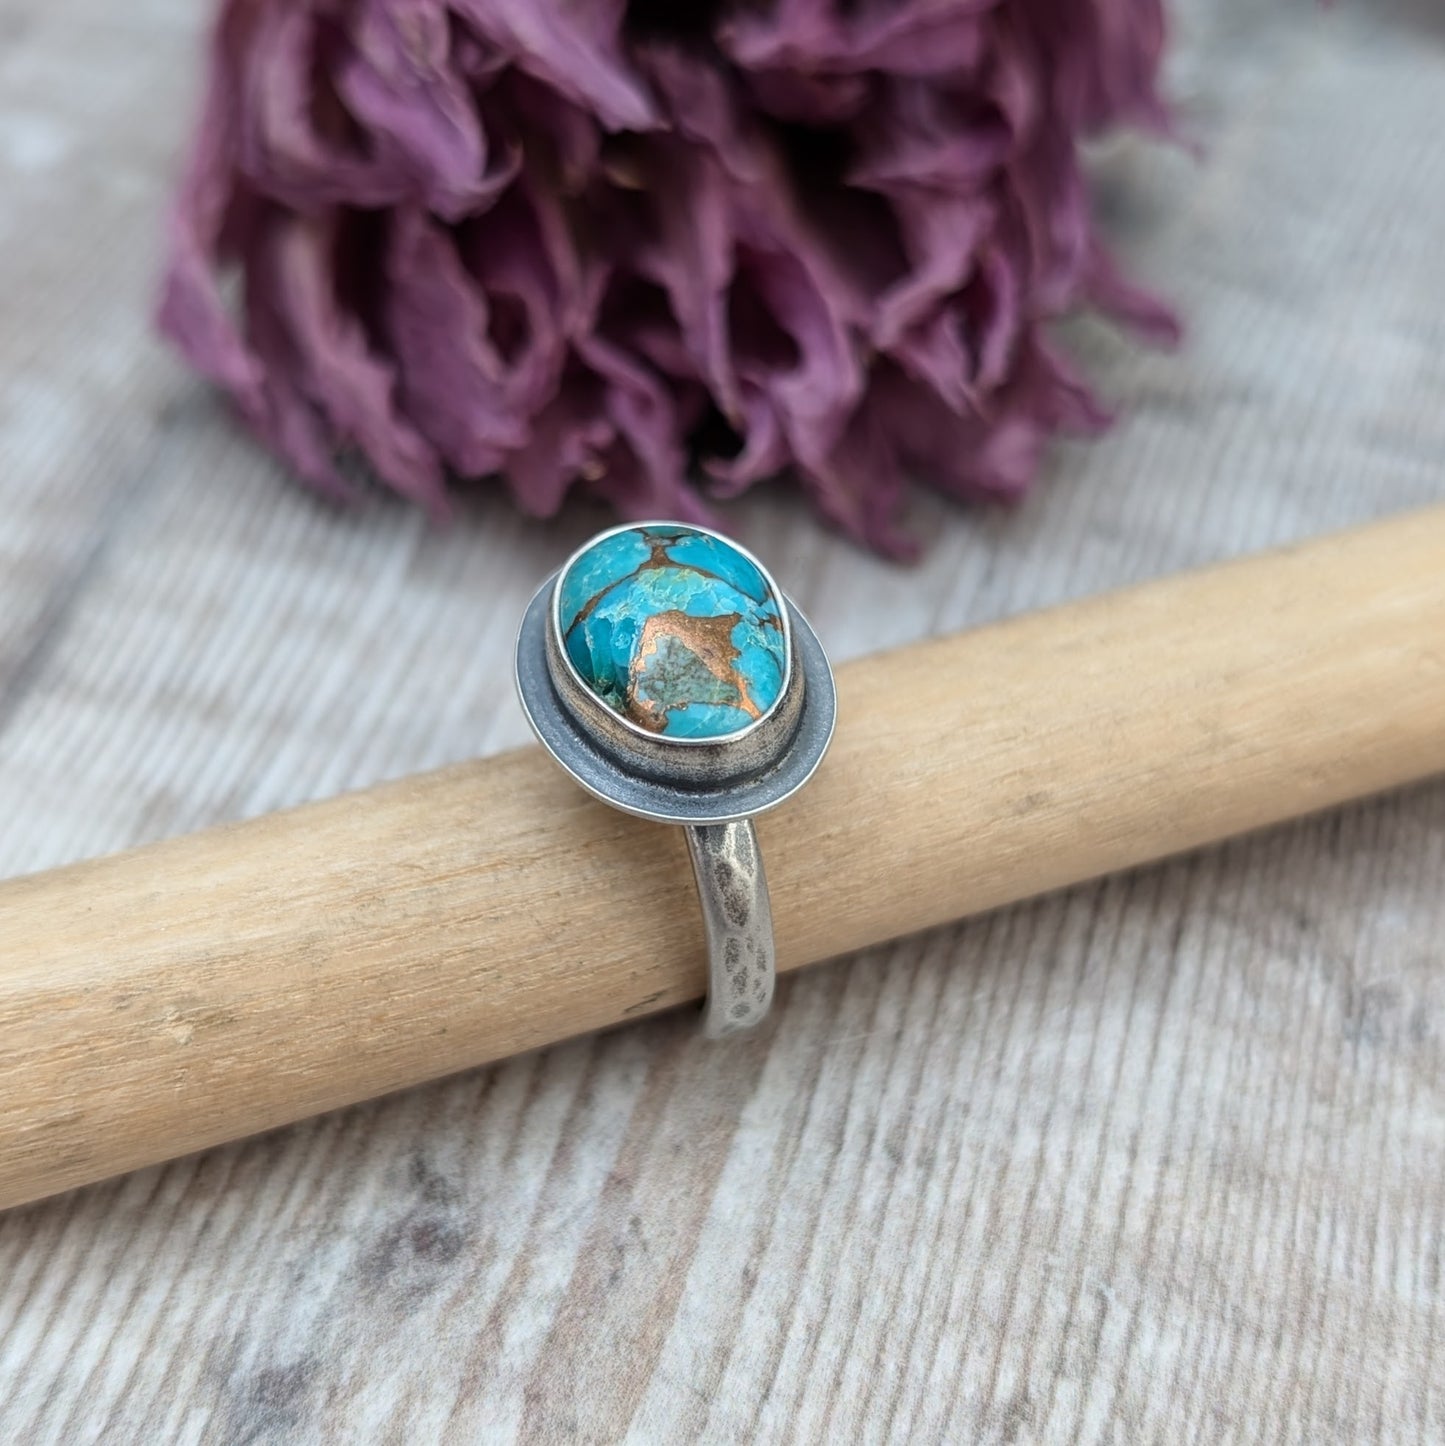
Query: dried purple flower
(632, 244)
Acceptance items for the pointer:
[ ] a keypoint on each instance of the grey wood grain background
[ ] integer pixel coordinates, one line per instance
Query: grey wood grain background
(1161, 1159)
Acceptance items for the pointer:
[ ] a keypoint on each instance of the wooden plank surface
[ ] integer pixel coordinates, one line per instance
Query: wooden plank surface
(1157, 1159)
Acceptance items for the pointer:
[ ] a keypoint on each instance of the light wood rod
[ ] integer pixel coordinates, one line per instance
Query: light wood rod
(194, 991)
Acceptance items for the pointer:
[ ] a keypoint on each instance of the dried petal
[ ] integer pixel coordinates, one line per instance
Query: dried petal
(400, 84)
(644, 249)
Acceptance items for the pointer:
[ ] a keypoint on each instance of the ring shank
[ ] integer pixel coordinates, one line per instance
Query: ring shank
(737, 923)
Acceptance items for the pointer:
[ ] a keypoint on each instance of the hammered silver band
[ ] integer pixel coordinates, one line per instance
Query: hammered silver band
(737, 922)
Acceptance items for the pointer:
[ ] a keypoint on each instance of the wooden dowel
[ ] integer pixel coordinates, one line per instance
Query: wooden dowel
(213, 986)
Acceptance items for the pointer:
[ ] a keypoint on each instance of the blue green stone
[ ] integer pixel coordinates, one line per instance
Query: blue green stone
(674, 629)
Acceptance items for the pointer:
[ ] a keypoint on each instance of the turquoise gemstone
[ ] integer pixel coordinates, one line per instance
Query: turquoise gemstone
(674, 629)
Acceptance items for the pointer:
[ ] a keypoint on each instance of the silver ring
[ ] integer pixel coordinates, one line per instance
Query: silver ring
(670, 676)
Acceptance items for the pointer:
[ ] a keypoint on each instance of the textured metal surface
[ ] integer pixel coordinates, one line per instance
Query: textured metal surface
(738, 924)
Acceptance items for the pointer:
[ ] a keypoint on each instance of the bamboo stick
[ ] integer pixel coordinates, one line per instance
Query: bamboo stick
(163, 1000)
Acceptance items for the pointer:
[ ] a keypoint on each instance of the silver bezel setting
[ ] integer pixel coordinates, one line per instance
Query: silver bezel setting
(676, 780)
(595, 713)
